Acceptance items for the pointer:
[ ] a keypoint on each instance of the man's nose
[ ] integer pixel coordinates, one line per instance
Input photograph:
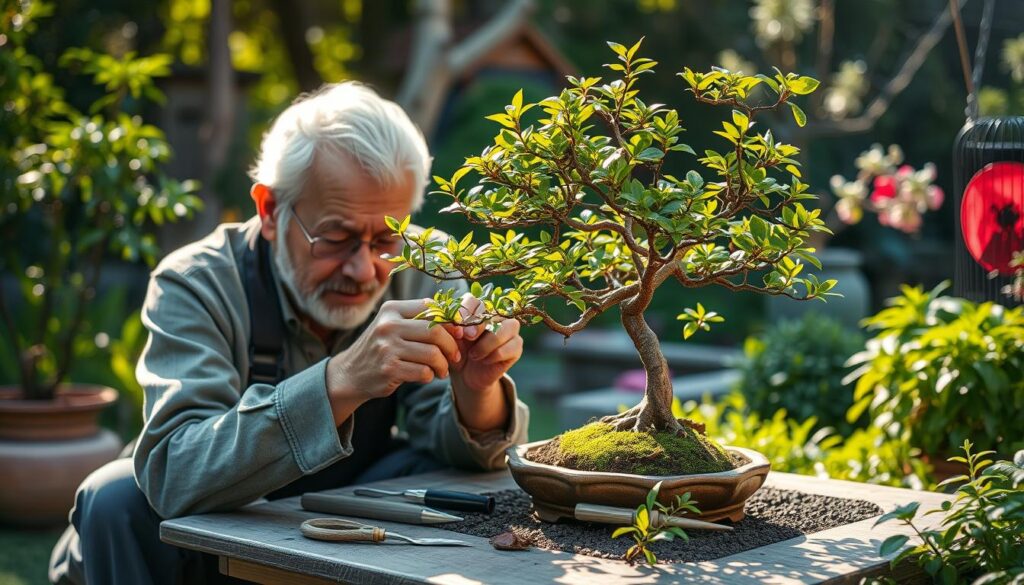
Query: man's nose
(360, 266)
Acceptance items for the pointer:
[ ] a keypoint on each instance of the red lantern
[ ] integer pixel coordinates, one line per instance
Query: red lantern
(988, 177)
(991, 218)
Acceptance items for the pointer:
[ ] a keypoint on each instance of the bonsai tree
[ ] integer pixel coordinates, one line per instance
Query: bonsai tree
(73, 187)
(612, 226)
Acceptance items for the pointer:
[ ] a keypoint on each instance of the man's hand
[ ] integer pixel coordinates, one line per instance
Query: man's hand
(486, 357)
(394, 349)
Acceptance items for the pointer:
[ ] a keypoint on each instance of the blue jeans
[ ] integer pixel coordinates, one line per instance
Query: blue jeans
(114, 536)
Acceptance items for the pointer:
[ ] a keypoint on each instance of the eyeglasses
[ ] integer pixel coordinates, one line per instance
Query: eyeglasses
(342, 250)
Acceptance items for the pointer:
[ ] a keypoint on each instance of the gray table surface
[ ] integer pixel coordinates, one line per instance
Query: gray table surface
(267, 534)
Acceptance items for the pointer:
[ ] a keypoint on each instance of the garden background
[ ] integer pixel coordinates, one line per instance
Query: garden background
(890, 72)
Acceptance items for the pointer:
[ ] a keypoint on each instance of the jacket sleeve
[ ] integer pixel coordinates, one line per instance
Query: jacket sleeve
(432, 421)
(203, 447)
(432, 417)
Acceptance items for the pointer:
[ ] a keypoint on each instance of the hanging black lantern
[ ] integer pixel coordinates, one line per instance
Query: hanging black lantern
(988, 166)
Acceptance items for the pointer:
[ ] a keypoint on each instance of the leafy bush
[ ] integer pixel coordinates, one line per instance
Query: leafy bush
(981, 536)
(942, 369)
(866, 455)
(77, 186)
(799, 366)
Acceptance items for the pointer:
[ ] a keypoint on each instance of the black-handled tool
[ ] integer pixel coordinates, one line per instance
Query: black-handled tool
(449, 500)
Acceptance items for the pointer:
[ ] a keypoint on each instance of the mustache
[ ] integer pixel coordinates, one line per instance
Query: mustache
(345, 285)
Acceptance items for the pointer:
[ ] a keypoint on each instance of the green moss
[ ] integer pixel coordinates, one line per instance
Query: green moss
(597, 447)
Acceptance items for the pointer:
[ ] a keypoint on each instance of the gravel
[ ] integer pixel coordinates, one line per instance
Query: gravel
(772, 516)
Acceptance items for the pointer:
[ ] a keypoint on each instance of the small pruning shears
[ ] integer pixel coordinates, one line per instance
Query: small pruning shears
(341, 530)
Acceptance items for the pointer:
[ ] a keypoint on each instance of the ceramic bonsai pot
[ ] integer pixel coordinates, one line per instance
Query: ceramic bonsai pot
(47, 447)
(556, 490)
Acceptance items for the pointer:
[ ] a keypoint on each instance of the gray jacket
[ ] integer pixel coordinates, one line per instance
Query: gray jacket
(209, 444)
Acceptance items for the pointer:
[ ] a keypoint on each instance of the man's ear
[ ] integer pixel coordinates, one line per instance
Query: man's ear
(266, 204)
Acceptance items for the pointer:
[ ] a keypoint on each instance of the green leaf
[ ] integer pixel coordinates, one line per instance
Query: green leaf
(651, 154)
(798, 114)
(392, 223)
(905, 512)
(618, 48)
(740, 120)
(643, 520)
(893, 544)
(517, 101)
(652, 496)
(623, 530)
(803, 85)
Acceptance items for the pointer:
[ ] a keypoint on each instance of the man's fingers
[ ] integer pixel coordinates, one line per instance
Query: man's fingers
(512, 350)
(424, 354)
(413, 372)
(488, 342)
(438, 336)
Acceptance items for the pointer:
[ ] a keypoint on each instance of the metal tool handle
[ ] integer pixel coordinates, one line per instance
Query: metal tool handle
(603, 514)
(336, 529)
(362, 507)
(462, 501)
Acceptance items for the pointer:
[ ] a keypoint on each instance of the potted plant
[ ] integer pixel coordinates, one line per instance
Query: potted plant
(75, 186)
(612, 226)
(941, 370)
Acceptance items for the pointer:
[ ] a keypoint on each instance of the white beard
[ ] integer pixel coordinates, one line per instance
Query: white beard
(344, 317)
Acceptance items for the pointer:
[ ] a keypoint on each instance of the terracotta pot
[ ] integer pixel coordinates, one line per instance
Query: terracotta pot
(47, 447)
(556, 490)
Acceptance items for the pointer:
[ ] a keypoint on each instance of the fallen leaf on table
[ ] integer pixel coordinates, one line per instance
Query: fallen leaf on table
(509, 541)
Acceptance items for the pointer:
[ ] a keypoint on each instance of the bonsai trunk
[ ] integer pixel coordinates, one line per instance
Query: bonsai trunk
(655, 410)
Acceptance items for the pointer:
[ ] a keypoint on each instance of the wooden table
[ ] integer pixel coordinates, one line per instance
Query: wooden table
(262, 543)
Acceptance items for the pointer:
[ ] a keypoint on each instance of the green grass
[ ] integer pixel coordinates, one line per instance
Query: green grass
(25, 555)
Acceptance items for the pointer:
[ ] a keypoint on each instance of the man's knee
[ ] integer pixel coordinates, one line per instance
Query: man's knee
(109, 500)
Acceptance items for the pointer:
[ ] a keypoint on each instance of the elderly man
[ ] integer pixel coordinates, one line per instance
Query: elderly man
(280, 351)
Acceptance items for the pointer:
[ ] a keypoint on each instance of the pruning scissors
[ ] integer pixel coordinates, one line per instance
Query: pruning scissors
(337, 529)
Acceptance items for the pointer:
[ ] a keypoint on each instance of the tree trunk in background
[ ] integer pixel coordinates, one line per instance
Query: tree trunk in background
(218, 129)
(435, 62)
(294, 18)
(374, 36)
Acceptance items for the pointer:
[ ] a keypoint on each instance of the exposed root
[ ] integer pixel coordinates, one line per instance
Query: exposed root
(635, 420)
(699, 427)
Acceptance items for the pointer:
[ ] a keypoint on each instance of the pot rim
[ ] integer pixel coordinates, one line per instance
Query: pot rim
(757, 463)
(89, 397)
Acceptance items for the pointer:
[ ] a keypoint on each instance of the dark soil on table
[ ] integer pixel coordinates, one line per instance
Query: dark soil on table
(773, 515)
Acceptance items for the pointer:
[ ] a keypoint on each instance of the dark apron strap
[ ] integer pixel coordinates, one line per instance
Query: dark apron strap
(266, 342)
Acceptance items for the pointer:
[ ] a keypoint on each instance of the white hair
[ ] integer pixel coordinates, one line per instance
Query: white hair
(342, 117)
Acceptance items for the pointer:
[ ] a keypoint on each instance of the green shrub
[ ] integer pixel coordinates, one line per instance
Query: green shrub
(799, 365)
(793, 446)
(981, 536)
(74, 187)
(942, 370)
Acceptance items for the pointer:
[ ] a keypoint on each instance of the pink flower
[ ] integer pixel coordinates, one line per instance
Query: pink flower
(935, 197)
(885, 188)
